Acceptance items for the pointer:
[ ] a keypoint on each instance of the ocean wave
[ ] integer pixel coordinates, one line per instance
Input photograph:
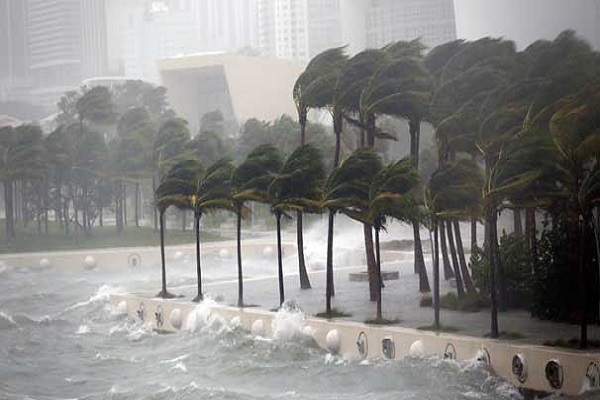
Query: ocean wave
(102, 295)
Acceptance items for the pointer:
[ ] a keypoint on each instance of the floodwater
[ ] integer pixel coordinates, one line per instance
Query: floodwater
(60, 339)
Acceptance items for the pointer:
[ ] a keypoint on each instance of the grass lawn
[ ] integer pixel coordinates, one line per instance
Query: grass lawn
(29, 240)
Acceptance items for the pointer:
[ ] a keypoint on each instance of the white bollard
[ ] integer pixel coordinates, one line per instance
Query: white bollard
(258, 328)
(122, 307)
(89, 262)
(175, 318)
(333, 341)
(417, 350)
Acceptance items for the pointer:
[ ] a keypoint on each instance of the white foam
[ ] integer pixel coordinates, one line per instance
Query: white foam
(102, 295)
(179, 366)
(176, 359)
(83, 329)
(288, 323)
(7, 317)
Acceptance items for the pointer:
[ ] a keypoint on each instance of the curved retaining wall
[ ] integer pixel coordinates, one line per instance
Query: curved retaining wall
(115, 259)
(536, 368)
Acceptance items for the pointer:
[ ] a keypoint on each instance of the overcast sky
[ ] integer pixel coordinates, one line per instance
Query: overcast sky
(527, 20)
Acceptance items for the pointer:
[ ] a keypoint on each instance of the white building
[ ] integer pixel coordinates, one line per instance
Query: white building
(390, 20)
(283, 29)
(66, 42)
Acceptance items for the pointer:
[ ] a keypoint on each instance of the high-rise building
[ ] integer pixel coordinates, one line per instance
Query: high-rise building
(227, 25)
(283, 28)
(66, 43)
(334, 23)
(391, 20)
(13, 50)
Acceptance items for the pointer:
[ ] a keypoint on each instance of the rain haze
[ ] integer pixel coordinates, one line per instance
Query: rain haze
(310, 199)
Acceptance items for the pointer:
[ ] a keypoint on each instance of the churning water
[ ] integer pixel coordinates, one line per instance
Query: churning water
(60, 339)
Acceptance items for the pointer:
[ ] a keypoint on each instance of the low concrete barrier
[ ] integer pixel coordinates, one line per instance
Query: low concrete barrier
(530, 367)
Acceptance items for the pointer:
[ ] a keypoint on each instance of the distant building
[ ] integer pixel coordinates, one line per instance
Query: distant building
(14, 77)
(283, 29)
(66, 41)
(240, 87)
(390, 20)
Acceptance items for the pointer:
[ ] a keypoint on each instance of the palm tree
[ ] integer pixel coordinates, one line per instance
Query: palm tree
(575, 128)
(297, 187)
(400, 86)
(453, 192)
(391, 195)
(314, 89)
(347, 191)
(250, 182)
(176, 188)
(213, 193)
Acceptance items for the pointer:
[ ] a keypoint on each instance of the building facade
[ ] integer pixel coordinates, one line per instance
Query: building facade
(389, 20)
(14, 77)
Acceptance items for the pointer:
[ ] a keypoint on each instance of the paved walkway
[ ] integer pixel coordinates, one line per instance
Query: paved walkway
(400, 300)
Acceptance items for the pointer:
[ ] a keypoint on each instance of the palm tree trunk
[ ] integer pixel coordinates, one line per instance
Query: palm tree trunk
(473, 235)
(155, 212)
(124, 202)
(239, 259)
(137, 205)
(460, 289)
(583, 282)
(378, 279)
(517, 222)
(490, 229)
(163, 292)
(530, 230)
(329, 267)
(304, 281)
(420, 261)
(448, 273)
(279, 260)
(371, 262)
(436, 275)
(8, 210)
(197, 217)
(337, 129)
(466, 276)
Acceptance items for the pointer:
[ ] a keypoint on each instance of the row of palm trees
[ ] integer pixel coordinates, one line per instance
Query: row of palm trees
(360, 187)
(514, 130)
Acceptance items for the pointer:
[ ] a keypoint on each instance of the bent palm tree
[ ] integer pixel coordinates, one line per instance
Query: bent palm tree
(392, 195)
(250, 182)
(297, 187)
(347, 191)
(177, 188)
(314, 89)
(213, 192)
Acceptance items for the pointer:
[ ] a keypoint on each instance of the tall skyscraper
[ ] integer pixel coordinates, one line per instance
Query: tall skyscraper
(283, 28)
(227, 25)
(66, 43)
(390, 20)
(13, 50)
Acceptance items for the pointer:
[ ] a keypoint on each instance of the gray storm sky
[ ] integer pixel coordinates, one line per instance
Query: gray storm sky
(527, 20)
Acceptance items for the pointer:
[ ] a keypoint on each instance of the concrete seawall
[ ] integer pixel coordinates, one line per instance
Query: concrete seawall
(530, 367)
